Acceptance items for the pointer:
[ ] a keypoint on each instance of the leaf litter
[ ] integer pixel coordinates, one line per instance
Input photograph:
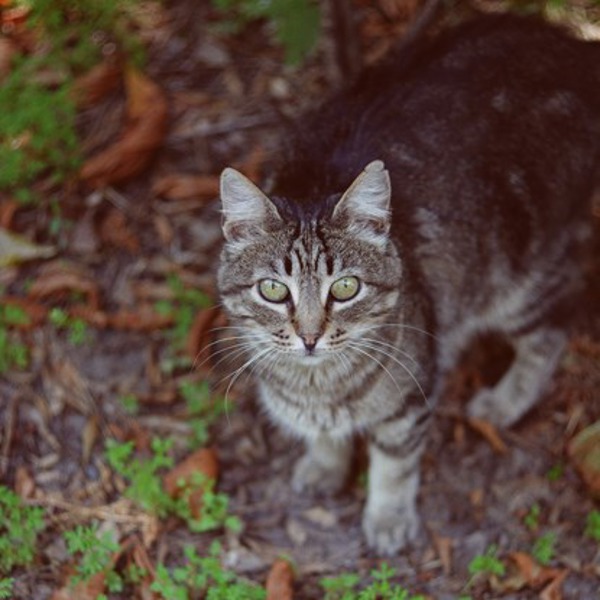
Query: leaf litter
(56, 414)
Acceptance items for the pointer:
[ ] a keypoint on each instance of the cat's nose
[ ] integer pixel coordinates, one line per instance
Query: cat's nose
(309, 340)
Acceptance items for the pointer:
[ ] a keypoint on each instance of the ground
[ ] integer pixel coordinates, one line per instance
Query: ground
(127, 246)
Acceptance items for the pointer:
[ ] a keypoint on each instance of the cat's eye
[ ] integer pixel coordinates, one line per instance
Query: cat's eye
(273, 290)
(345, 288)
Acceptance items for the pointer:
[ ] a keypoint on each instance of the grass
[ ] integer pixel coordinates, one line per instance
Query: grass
(19, 529)
(592, 525)
(344, 587)
(13, 353)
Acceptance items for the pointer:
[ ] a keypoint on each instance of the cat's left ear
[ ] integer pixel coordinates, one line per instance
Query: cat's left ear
(247, 213)
(365, 206)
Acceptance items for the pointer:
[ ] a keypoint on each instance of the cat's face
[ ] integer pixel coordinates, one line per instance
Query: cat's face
(308, 290)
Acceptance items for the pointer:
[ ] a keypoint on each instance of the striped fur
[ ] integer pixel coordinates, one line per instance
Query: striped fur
(448, 192)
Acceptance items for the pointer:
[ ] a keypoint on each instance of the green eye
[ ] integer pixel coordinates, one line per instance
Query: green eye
(273, 290)
(345, 288)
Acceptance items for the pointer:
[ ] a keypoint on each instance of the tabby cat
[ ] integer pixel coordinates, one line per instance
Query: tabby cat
(446, 193)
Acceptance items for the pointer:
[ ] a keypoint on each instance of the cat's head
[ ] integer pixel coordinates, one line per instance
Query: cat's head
(308, 284)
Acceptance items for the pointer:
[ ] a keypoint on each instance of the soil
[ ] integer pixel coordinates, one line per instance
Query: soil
(228, 99)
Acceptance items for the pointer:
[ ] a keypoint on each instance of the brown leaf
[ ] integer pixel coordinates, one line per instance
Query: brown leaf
(203, 461)
(443, 547)
(8, 49)
(100, 80)
(115, 230)
(200, 335)
(144, 318)
(186, 187)
(534, 574)
(144, 132)
(489, 432)
(280, 581)
(24, 483)
(584, 452)
(35, 312)
(61, 278)
(85, 590)
(553, 591)
(8, 208)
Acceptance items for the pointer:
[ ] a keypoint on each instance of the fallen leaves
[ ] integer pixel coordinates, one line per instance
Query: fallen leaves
(528, 573)
(94, 85)
(181, 477)
(280, 581)
(584, 452)
(144, 132)
(490, 433)
(15, 249)
(186, 187)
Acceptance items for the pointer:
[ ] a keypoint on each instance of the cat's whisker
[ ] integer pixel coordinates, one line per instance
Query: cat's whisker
(391, 347)
(403, 366)
(244, 343)
(401, 325)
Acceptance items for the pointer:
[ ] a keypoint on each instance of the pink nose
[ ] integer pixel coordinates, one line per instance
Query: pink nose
(310, 340)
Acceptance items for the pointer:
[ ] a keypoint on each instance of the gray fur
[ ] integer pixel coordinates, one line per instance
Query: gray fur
(455, 187)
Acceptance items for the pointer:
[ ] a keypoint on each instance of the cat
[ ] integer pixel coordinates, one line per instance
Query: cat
(446, 193)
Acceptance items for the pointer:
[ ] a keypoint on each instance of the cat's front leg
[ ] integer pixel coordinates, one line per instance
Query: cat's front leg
(391, 520)
(325, 465)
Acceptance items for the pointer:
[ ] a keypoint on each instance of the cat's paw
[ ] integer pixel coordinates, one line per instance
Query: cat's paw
(313, 477)
(389, 531)
(489, 406)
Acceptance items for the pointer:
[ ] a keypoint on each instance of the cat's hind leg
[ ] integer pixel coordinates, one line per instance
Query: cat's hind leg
(537, 354)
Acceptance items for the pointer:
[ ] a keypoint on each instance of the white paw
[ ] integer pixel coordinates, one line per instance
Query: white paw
(389, 531)
(311, 476)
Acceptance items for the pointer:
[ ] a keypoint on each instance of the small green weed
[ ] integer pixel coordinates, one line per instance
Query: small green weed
(532, 519)
(76, 328)
(146, 487)
(592, 525)
(6, 586)
(94, 553)
(145, 484)
(343, 587)
(202, 408)
(487, 563)
(130, 404)
(19, 528)
(186, 302)
(13, 353)
(296, 22)
(205, 577)
(544, 548)
(555, 472)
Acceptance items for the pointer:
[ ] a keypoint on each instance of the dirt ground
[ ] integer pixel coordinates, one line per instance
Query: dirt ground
(228, 99)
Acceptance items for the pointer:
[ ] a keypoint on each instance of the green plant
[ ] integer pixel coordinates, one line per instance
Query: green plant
(343, 587)
(6, 585)
(532, 518)
(77, 329)
(94, 553)
(146, 487)
(37, 120)
(592, 525)
(130, 404)
(203, 575)
(295, 22)
(19, 528)
(202, 408)
(13, 353)
(145, 484)
(186, 302)
(555, 472)
(487, 563)
(544, 548)
(215, 506)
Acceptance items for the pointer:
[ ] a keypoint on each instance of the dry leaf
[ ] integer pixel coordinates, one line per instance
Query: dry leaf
(8, 49)
(85, 590)
(489, 432)
(199, 339)
(144, 318)
(584, 451)
(15, 249)
(35, 312)
(280, 581)
(60, 278)
(144, 132)
(533, 574)
(203, 461)
(115, 230)
(100, 80)
(186, 187)
(443, 546)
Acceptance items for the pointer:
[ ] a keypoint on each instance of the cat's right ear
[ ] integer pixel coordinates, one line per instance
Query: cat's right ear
(247, 213)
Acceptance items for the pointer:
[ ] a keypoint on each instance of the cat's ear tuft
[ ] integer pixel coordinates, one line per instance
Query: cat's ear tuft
(365, 206)
(247, 213)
